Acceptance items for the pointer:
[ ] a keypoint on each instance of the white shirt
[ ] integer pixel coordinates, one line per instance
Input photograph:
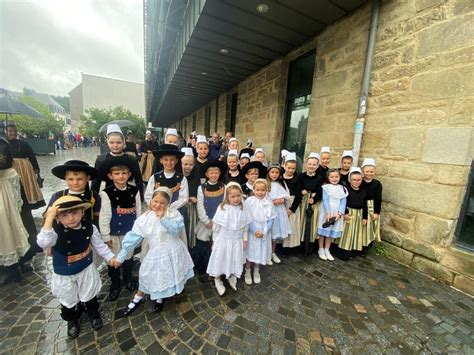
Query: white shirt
(183, 191)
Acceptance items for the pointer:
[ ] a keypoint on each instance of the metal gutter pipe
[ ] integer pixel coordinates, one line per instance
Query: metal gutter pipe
(364, 91)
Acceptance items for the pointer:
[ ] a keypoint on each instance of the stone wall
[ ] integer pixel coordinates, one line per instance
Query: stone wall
(419, 123)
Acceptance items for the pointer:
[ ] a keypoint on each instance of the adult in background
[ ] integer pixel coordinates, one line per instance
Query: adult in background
(147, 158)
(181, 140)
(215, 144)
(26, 165)
(130, 146)
(224, 149)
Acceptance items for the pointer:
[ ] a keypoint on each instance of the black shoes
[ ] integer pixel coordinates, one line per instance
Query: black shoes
(131, 286)
(73, 329)
(330, 222)
(25, 268)
(114, 294)
(128, 311)
(158, 307)
(96, 323)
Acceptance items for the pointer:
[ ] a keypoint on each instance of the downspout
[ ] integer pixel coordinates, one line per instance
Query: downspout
(364, 91)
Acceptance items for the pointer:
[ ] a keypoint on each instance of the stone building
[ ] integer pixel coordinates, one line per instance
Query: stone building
(419, 120)
(100, 92)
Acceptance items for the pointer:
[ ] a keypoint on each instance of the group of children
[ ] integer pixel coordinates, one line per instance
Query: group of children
(211, 216)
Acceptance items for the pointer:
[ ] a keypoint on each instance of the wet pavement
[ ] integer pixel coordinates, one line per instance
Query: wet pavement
(367, 305)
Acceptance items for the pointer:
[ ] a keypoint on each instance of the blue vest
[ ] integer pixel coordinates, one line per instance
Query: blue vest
(173, 183)
(123, 207)
(213, 196)
(72, 252)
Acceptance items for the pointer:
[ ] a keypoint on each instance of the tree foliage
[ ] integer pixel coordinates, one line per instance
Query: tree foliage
(41, 127)
(63, 101)
(97, 117)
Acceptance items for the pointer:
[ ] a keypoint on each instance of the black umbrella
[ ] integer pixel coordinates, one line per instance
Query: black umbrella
(9, 106)
(120, 123)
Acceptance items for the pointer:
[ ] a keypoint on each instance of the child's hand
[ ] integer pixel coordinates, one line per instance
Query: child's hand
(337, 216)
(346, 217)
(259, 234)
(114, 262)
(364, 222)
(375, 216)
(193, 200)
(289, 212)
(109, 243)
(310, 201)
(304, 192)
(328, 216)
(245, 244)
(52, 212)
(209, 225)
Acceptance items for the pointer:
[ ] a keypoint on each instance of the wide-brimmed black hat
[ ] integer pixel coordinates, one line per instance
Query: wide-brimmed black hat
(262, 170)
(168, 149)
(74, 165)
(213, 164)
(120, 160)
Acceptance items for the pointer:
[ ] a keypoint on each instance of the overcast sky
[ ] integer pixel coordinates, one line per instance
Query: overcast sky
(46, 44)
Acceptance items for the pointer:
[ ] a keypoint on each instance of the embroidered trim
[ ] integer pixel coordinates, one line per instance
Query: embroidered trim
(125, 210)
(73, 258)
(177, 187)
(219, 192)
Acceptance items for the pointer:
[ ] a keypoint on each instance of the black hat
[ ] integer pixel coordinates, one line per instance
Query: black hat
(112, 161)
(74, 165)
(213, 164)
(262, 170)
(168, 149)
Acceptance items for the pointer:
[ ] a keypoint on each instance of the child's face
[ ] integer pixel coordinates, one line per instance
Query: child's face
(311, 165)
(213, 175)
(234, 145)
(172, 139)
(76, 180)
(158, 204)
(290, 168)
(325, 159)
(355, 181)
(232, 162)
(369, 172)
(274, 174)
(252, 175)
(115, 143)
(334, 178)
(260, 156)
(187, 163)
(243, 162)
(119, 177)
(168, 162)
(202, 150)
(260, 190)
(235, 197)
(346, 164)
(70, 218)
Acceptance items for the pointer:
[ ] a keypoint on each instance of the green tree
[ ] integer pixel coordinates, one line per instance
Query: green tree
(63, 101)
(38, 126)
(97, 117)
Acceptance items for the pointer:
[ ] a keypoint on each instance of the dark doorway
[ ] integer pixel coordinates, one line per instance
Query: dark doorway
(465, 230)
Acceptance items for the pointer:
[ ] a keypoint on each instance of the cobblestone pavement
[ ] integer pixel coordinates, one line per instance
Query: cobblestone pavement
(370, 305)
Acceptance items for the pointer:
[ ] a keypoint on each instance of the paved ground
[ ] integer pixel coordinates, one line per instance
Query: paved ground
(370, 305)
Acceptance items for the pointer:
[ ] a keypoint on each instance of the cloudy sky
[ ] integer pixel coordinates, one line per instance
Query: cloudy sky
(46, 44)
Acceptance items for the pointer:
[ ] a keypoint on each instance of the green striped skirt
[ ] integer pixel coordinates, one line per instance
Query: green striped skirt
(193, 219)
(352, 237)
(314, 219)
(372, 228)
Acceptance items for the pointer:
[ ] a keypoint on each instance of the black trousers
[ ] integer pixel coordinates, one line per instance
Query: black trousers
(91, 308)
(114, 274)
(29, 223)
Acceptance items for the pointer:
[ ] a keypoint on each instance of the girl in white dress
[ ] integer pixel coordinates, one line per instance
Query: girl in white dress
(330, 223)
(279, 194)
(261, 209)
(230, 228)
(167, 265)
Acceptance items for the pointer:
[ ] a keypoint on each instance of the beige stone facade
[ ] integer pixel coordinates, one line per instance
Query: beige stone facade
(419, 123)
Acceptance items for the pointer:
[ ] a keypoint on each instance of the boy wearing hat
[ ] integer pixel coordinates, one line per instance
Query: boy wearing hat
(121, 204)
(116, 144)
(209, 195)
(171, 137)
(77, 175)
(75, 278)
(169, 156)
(249, 173)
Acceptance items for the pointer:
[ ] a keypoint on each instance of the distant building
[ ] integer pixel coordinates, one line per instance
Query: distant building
(99, 92)
(53, 106)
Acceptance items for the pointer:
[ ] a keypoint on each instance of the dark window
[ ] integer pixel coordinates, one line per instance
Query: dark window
(207, 122)
(233, 113)
(194, 122)
(298, 101)
(465, 230)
